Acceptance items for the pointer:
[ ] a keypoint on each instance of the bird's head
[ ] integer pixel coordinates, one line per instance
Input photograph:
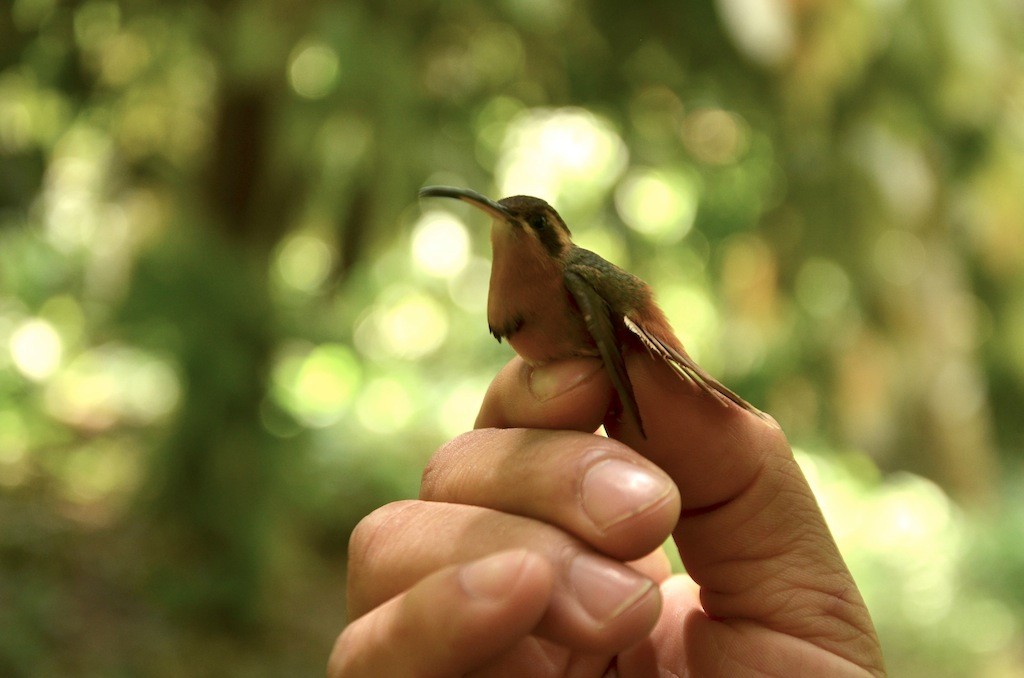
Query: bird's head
(521, 222)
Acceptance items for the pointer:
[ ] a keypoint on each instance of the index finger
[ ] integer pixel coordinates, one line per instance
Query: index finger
(750, 533)
(571, 394)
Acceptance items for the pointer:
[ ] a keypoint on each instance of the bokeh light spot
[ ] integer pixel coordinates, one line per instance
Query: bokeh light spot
(899, 256)
(384, 406)
(303, 262)
(414, 326)
(715, 136)
(113, 384)
(36, 349)
(313, 70)
(97, 471)
(16, 119)
(764, 30)
(440, 244)
(693, 315)
(568, 155)
(658, 204)
(468, 289)
(822, 287)
(609, 243)
(67, 317)
(459, 410)
(900, 168)
(124, 57)
(318, 388)
(1000, 625)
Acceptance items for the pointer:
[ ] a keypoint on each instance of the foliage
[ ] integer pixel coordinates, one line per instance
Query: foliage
(227, 330)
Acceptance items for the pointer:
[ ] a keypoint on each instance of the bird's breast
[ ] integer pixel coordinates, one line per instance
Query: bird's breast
(545, 337)
(529, 305)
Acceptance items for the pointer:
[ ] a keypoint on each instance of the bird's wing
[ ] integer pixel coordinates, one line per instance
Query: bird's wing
(598, 318)
(601, 277)
(685, 366)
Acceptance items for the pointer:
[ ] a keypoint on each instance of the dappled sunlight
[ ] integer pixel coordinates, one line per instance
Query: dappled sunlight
(468, 287)
(900, 170)
(570, 156)
(440, 244)
(98, 472)
(317, 385)
(459, 409)
(229, 329)
(303, 262)
(715, 136)
(695, 319)
(405, 324)
(313, 70)
(74, 181)
(600, 237)
(899, 256)
(750, 279)
(822, 287)
(385, 405)
(905, 543)
(764, 30)
(36, 349)
(112, 386)
(660, 205)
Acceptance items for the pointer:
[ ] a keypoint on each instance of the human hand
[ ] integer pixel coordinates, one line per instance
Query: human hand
(770, 594)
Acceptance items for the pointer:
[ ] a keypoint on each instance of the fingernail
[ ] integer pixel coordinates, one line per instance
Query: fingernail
(613, 490)
(554, 379)
(494, 576)
(604, 591)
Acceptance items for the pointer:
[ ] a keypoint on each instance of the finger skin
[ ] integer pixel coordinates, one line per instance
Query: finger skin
(750, 531)
(598, 604)
(592, 487)
(571, 395)
(655, 565)
(450, 623)
(687, 637)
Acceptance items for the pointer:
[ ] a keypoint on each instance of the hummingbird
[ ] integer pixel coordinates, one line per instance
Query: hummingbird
(550, 299)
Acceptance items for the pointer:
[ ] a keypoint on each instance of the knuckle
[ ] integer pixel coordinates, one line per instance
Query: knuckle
(358, 650)
(773, 436)
(342, 661)
(760, 437)
(439, 468)
(368, 553)
(370, 529)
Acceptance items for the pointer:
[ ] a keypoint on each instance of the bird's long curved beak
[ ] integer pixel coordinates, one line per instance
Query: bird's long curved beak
(482, 202)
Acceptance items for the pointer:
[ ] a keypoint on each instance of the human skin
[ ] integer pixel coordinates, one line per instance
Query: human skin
(533, 548)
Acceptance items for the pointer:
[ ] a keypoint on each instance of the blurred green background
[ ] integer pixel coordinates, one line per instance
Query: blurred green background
(228, 330)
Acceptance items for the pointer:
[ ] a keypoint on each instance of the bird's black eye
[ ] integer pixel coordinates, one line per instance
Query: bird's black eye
(538, 222)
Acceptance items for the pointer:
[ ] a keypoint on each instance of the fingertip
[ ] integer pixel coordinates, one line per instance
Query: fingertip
(454, 621)
(552, 380)
(710, 448)
(610, 606)
(509, 574)
(503, 598)
(655, 565)
(570, 394)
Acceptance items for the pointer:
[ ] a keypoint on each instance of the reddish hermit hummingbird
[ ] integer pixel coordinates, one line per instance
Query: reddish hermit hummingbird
(551, 299)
